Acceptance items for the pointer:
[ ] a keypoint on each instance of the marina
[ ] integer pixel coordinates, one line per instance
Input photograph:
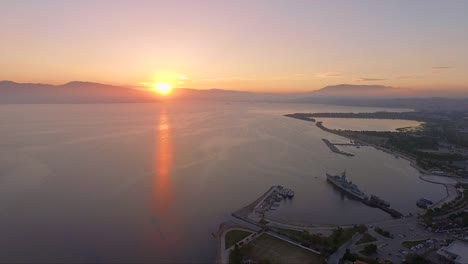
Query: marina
(255, 212)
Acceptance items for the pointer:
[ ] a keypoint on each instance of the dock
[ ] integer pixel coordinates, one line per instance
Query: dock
(333, 147)
(394, 213)
(255, 212)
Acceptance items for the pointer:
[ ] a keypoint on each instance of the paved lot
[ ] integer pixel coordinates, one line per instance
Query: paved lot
(405, 229)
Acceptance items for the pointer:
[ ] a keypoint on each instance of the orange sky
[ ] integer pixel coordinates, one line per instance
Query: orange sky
(267, 46)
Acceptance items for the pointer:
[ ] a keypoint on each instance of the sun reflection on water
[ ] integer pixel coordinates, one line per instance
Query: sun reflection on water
(162, 220)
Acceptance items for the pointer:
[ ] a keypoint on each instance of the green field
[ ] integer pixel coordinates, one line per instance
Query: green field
(409, 244)
(329, 244)
(234, 236)
(269, 249)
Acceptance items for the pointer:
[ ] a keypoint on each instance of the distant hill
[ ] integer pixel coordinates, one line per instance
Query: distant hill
(72, 92)
(343, 94)
(88, 92)
(358, 90)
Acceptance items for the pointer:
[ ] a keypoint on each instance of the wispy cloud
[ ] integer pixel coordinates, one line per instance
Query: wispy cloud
(292, 77)
(408, 76)
(442, 67)
(224, 79)
(371, 79)
(329, 74)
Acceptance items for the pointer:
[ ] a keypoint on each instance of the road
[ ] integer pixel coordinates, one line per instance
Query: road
(335, 257)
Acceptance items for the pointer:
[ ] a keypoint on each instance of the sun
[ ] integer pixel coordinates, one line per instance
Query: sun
(163, 88)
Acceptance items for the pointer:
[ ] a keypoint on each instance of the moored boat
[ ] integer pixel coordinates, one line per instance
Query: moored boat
(347, 186)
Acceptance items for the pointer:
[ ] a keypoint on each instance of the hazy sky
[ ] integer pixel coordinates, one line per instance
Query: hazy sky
(284, 45)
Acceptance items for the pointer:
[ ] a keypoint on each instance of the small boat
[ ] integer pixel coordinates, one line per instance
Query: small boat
(427, 201)
(422, 204)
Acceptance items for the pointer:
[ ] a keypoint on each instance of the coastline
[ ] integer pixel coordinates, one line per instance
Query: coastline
(247, 213)
(413, 163)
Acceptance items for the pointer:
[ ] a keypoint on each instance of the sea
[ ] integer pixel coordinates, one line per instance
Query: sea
(152, 182)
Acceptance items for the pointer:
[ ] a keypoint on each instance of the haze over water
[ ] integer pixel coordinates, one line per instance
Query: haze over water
(140, 182)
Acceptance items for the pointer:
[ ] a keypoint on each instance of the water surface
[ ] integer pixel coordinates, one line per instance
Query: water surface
(151, 182)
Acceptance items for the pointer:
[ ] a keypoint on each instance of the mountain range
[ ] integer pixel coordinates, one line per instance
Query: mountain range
(88, 92)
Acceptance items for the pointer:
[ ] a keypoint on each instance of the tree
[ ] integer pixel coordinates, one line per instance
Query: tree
(370, 249)
(349, 256)
(362, 229)
(415, 259)
(465, 221)
(235, 257)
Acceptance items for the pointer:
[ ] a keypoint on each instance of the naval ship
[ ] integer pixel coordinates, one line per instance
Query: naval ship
(347, 186)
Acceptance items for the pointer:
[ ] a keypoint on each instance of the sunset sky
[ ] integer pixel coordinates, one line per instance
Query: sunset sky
(268, 46)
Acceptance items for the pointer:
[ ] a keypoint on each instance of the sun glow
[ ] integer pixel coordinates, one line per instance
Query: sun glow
(163, 88)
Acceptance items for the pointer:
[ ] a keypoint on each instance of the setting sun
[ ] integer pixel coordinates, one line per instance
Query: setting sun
(163, 88)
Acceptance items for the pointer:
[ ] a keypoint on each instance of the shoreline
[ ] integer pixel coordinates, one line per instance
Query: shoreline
(412, 162)
(245, 212)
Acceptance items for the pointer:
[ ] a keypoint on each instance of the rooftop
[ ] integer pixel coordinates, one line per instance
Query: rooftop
(457, 250)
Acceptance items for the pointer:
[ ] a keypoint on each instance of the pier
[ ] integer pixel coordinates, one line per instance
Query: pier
(333, 147)
(394, 213)
(255, 212)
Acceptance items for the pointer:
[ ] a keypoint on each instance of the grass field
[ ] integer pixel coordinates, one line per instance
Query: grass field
(234, 236)
(267, 248)
(409, 244)
(330, 243)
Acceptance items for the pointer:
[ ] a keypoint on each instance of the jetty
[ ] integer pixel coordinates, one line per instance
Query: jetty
(302, 116)
(333, 148)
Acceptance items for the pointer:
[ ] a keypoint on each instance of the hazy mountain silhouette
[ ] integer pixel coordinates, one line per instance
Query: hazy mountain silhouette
(72, 92)
(88, 92)
(358, 90)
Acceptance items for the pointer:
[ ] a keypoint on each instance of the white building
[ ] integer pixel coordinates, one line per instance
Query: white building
(456, 252)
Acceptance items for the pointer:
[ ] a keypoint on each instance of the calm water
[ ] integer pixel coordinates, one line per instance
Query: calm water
(151, 182)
